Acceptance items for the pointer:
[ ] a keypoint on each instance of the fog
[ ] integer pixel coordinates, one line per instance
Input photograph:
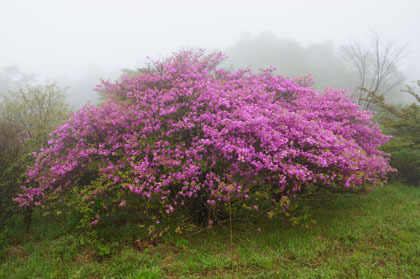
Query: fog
(78, 42)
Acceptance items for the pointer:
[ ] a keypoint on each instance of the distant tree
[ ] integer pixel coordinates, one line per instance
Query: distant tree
(81, 90)
(376, 66)
(35, 110)
(11, 77)
(327, 67)
(266, 50)
(27, 116)
(291, 58)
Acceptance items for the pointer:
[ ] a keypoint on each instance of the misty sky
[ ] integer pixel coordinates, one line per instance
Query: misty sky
(63, 38)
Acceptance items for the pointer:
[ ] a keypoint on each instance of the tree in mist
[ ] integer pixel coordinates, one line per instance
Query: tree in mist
(11, 77)
(376, 65)
(36, 110)
(327, 67)
(28, 115)
(292, 59)
(81, 90)
(265, 51)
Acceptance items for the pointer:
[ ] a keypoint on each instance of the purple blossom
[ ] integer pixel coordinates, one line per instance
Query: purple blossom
(187, 129)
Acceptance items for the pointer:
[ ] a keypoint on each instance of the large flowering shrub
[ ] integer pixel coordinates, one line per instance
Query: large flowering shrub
(186, 134)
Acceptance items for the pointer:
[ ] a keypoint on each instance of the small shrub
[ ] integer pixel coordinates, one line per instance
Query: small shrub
(103, 250)
(407, 162)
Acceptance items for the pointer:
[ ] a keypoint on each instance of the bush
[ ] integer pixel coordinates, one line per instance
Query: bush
(407, 162)
(185, 135)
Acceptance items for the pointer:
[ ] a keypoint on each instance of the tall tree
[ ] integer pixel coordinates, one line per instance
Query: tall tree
(376, 65)
(11, 77)
(291, 58)
(36, 110)
(28, 115)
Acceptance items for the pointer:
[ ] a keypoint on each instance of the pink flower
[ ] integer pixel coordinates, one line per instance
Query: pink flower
(122, 203)
(189, 130)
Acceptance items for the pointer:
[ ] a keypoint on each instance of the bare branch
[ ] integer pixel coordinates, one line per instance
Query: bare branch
(376, 65)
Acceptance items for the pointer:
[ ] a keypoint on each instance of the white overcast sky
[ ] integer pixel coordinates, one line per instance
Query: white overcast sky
(65, 38)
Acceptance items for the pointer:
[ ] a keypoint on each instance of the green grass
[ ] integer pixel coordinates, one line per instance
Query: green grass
(368, 235)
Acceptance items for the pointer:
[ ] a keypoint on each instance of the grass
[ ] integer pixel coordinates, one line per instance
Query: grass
(368, 235)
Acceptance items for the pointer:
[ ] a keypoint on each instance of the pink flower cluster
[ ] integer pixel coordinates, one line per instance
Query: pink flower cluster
(185, 129)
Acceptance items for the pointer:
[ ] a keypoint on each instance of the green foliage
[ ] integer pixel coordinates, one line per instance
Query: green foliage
(368, 235)
(36, 111)
(4, 240)
(153, 273)
(12, 166)
(403, 124)
(407, 161)
(103, 250)
(27, 116)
